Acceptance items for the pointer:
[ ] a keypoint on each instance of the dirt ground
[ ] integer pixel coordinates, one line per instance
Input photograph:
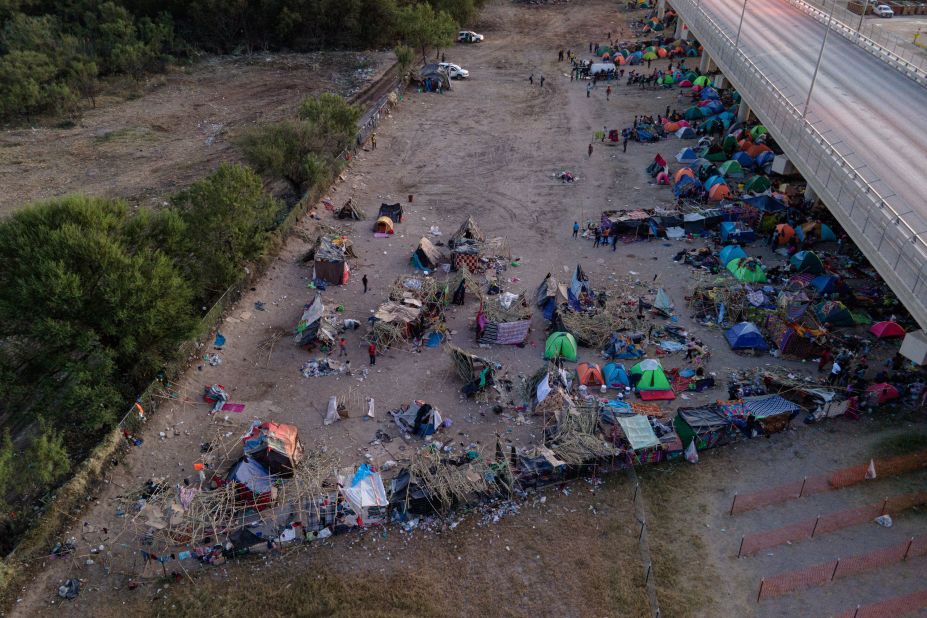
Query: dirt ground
(489, 148)
(178, 130)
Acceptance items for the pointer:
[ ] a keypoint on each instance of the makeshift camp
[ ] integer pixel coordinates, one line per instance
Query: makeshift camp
(638, 432)
(590, 375)
(731, 252)
(650, 382)
(383, 225)
(783, 233)
(314, 326)
(662, 303)
(748, 270)
(807, 262)
(330, 261)
(745, 336)
(885, 330)
(364, 492)
(707, 426)
(503, 319)
(418, 418)
(560, 345)
(275, 446)
(468, 245)
(737, 232)
(551, 294)
(615, 376)
(426, 256)
(815, 231)
(432, 78)
(476, 372)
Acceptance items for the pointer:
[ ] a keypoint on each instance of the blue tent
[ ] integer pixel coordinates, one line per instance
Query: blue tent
(732, 252)
(687, 187)
(735, 231)
(615, 376)
(766, 203)
(709, 93)
(765, 158)
(714, 180)
(745, 336)
(715, 107)
(745, 160)
(685, 133)
(686, 155)
(825, 284)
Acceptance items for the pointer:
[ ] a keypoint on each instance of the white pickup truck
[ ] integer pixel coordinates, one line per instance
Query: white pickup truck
(883, 10)
(468, 36)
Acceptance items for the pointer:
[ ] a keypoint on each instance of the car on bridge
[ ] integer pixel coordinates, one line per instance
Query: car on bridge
(454, 71)
(468, 36)
(883, 10)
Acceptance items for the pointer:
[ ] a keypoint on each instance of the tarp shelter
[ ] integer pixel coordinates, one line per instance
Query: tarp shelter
(731, 252)
(383, 225)
(590, 375)
(687, 187)
(885, 330)
(313, 325)
(791, 339)
(330, 261)
(276, 446)
(580, 283)
(693, 222)
(350, 211)
(650, 381)
(550, 294)
(663, 302)
(708, 426)
(393, 211)
(615, 376)
(685, 133)
(364, 492)
(745, 336)
(250, 473)
(686, 155)
(757, 184)
(418, 418)
(426, 256)
(638, 431)
(748, 270)
(560, 345)
(765, 203)
(807, 262)
(468, 230)
(834, 313)
(433, 77)
(737, 231)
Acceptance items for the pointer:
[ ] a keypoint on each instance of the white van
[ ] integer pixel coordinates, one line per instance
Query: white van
(883, 10)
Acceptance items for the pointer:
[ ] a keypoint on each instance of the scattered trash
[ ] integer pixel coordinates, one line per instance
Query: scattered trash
(70, 589)
(884, 520)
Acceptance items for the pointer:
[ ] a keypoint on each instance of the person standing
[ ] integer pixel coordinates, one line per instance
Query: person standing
(364, 281)
(608, 93)
(624, 143)
(598, 238)
(531, 79)
(542, 80)
(372, 351)
(373, 140)
(575, 229)
(835, 371)
(590, 149)
(588, 90)
(825, 356)
(342, 347)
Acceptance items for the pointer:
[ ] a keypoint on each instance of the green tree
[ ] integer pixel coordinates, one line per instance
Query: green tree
(84, 77)
(48, 458)
(334, 118)
(404, 58)
(7, 467)
(424, 28)
(25, 75)
(232, 216)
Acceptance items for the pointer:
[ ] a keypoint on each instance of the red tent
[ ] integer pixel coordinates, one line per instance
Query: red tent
(881, 393)
(884, 330)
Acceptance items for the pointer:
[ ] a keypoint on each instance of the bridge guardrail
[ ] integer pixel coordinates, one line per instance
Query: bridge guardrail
(875, 222)
(886, 46)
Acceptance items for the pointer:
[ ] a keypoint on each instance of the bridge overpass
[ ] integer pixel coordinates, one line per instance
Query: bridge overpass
(861, 141)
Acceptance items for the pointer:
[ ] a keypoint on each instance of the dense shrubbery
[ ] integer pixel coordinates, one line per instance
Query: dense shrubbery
(53, 52)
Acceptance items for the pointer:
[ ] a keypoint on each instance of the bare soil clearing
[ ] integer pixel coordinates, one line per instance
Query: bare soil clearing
(489, 148)
(176, 132)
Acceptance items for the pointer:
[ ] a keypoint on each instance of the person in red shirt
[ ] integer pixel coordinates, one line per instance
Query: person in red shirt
(372, 351)
(343, 347)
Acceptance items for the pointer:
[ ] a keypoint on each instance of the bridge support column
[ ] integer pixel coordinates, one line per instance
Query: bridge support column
(661, 8)
(705, 65)
(743, 111)
(810, 196)
(682, 31)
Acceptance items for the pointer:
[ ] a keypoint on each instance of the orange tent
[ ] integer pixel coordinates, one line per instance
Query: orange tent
(589, 375)
(755, 150)
(785, 232)
(662, 52)
(719, 192)
(671, 127)
(619, 59)
(606, 56)
(686, 171)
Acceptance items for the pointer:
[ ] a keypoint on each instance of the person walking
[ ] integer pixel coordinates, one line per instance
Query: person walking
(373, 140)
(605, 234)
(598, 238)
(560, 56)
(542, 80)
(835, 371)
(576, 229)
(531, 79)
(364, 281)
(590, 149)
(825, 356)
(342, 347)
(608, 93)
(372, 351)
(624, 143)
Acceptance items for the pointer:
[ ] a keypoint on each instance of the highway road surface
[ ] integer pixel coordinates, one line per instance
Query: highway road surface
(879, 115)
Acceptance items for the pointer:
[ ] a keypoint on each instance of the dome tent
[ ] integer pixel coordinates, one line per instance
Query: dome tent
(560, 345)
(650, 381)
(745, 336)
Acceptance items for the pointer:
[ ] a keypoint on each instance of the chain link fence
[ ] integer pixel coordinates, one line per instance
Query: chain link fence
(881, 223)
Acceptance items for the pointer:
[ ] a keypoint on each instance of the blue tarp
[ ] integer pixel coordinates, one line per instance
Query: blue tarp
(766, 203)
(745, 336)
(731, 252)
(731, 231)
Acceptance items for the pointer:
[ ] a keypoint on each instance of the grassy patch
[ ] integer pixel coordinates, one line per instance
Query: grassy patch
(902, 444)
(124, 135)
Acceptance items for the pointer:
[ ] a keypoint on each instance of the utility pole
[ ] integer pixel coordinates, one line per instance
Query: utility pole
(861, 15)
(740, 25)
(817, 65)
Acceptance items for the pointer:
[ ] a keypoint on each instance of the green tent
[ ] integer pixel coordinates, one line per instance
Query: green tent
(668, 79)
(731, 168)
(729, 145)
(748, 270)
(736, 97)
(757, 184)
(807, 262)
(691, 76)
(650, 56)
(694, 113)
(652, 382)
(757, 131)
(560, 345)
(710, 126)
(706, 171)
(834, 313)
(702, 80)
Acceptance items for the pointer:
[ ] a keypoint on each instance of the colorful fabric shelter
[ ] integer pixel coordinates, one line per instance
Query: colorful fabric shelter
(560, 345)
(650, 381)
(745, 336)
(686, 171)
(825, 284)
(882, 393)
(885, 330)
(834, 313)
(383, 225)
(731, 168)
(686, 155)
